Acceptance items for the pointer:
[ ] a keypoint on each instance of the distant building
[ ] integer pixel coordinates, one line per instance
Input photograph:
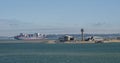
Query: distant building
(82, 34)
(94, 38)
(66, 38)
(118, 38)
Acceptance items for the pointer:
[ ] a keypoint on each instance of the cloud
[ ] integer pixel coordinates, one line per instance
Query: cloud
(9, 22)
(14, 22)
(98, 24)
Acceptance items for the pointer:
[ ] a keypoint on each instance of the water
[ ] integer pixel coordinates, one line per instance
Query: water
(59, 53)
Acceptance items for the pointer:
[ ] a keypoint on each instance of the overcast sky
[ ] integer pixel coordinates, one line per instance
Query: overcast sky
(59, 16)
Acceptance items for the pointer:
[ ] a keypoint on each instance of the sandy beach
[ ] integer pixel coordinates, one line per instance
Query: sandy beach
(25, 41)
(54, 41)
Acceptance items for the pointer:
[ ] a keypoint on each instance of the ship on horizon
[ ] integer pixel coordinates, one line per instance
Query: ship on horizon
(35, 36)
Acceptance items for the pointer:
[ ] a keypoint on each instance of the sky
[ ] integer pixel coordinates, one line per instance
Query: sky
(59, 16)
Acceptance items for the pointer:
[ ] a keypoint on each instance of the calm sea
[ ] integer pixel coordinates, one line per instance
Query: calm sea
(59, 53)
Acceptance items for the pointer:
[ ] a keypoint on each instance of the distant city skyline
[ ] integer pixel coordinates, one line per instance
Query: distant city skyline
(59, 16)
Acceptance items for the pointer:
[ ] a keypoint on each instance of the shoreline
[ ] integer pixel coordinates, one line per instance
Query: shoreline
(55, 42)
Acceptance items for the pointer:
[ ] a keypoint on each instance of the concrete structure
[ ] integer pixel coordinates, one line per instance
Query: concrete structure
(66, 38)
(82, 34)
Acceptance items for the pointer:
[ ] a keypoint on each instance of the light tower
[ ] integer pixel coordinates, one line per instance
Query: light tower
(82, 34)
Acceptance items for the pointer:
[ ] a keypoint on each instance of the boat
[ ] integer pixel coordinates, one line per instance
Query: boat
(35, 36)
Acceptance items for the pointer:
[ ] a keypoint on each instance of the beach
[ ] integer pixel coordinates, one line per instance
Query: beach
(47, 41)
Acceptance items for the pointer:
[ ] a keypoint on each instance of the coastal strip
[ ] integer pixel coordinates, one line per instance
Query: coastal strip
(55, 41)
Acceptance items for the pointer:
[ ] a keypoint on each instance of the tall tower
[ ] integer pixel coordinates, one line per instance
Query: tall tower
(82, 34)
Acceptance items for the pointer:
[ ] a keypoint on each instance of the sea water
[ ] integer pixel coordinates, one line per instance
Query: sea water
(59, 53)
